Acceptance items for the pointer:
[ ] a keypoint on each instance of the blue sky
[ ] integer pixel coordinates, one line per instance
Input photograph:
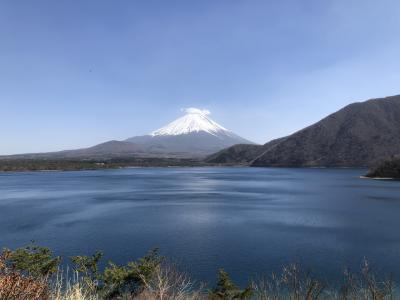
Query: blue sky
(76, 73)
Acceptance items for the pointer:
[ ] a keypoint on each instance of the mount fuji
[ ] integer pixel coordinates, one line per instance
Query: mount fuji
(193, 134)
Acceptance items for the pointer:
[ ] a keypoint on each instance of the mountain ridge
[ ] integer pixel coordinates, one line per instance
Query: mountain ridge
(357, 135)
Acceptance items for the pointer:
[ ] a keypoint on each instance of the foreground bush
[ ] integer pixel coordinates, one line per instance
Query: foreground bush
(33, 273)
(14, 285)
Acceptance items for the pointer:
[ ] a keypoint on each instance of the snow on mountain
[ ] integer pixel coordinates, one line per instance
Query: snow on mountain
(194, 134)
(195, 120)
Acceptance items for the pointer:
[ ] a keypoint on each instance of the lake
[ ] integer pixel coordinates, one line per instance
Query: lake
(247, 220)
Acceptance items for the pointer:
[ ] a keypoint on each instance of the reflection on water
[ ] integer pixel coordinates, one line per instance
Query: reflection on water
(247, 220)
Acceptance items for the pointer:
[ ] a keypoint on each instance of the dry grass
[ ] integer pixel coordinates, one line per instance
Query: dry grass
(366, 286)
(292, 284)
(167, 283)
(73, 289)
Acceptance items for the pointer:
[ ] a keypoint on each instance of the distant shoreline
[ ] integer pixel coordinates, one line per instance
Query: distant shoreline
(64, 165)
(85, 164)
(380, 178)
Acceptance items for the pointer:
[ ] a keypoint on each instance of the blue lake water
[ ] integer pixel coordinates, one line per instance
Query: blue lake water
(246, 220)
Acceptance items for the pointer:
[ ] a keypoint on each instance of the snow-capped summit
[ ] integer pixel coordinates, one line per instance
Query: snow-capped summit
(195, 120)
(193, 134)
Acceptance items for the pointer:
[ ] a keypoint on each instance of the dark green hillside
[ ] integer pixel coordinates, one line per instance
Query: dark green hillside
(358, 135)
(236, 155)
(389, 168)
(241, 153)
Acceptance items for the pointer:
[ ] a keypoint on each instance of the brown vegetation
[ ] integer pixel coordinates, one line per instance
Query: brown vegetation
(16, 286)
(29, 274)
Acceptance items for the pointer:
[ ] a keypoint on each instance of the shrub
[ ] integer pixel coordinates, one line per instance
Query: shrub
(227, 290)
(87, 271)
(167, 283)
(16, 286)
(132, 278)
(33, 260)
(366, 286)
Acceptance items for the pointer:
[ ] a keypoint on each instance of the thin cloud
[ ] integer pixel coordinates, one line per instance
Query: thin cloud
(194, 110)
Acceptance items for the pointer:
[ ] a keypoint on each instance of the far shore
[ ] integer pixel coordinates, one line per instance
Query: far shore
(65, 165)
(380, 178)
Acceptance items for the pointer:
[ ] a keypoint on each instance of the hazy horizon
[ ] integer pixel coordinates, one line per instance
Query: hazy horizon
(75, 75)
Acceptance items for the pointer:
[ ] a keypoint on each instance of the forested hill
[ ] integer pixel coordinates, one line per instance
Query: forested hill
(358, 135)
